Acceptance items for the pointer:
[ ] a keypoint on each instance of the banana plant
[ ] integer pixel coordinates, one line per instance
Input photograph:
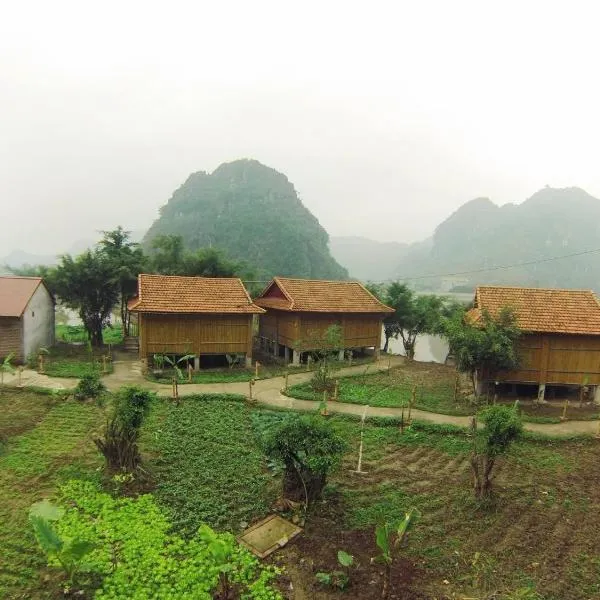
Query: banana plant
(389, 536)
(68, 553)
(175, 363)
(6, 366)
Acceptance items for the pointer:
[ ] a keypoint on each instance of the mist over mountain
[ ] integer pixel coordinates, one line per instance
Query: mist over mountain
(481, 235)
(253, 213)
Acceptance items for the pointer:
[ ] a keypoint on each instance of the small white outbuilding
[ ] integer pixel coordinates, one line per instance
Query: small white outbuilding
(26, 316)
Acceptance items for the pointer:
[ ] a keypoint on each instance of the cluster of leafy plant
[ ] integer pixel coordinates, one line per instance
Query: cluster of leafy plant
(119, 444)
(125, 547)
(89, 387)
(309, 448)
(209, 466)
(339, 578)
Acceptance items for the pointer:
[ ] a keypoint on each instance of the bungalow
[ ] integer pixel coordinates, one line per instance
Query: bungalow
(26, 316)
(561, 341)
(299, 312)
(206, 317)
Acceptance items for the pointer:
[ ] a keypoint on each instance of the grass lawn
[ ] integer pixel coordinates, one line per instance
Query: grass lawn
(540, 538)
(70, 360)
(76, 334)
(433, 385)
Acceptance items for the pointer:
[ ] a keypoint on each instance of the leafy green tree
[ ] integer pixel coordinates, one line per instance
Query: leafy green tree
(413, 315)
(485, 346)
(501, 426)
(127, 260)
(88, 285)
(309, 448)
(6, 366)
(167, 254)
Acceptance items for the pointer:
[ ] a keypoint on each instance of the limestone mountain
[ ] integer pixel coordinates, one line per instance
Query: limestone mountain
(481, 235)
(253, 213)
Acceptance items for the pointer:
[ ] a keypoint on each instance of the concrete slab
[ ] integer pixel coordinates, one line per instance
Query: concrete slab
(268, 535)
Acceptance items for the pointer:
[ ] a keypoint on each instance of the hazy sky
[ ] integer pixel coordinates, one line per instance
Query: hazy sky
(385, 115)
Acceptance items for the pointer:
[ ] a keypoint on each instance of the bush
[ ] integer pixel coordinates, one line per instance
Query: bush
(89, 386)
(121, 434)
(309, 448)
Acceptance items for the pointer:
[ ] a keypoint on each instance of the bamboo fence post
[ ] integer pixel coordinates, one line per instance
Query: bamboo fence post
(389, 364)
(286, 381)
(564, 414)
(456, 387)
(41, 363)
(104, 370)
(256, 365)
(336, 390)
(20, 372)
(402, 421)
(175, 390)
(250, 385)
(324, 404)
(189, 370)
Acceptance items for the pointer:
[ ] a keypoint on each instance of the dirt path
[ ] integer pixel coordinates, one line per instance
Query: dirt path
(267, 392)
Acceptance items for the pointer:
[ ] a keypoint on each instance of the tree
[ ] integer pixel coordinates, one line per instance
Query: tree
(127, 261)
(309, 448)
(501, 426)
(413, 315)
(167, 256)
(171, 258)
(488, 345)
(89, 285)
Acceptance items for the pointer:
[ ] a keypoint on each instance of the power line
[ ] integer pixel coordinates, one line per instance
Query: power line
(500, 267)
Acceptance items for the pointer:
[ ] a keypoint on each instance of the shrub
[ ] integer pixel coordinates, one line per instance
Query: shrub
(120, 442)
(89, 386)
(309, 448)
(502, 425)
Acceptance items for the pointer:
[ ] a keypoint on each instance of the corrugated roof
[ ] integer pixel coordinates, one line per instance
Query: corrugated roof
(175, 294)
(315, 295)
(542, 310)
(15, 293)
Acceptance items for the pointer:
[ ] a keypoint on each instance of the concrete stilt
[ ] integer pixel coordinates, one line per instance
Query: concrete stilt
(248, 361)
(296, 358)
(341, 354)
(541, 392)
(286, 354)
(196, 363)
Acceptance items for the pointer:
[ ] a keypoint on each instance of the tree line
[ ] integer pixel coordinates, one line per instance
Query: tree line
(102, 278)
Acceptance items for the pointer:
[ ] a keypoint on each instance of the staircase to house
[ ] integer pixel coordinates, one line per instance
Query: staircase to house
(131, 343)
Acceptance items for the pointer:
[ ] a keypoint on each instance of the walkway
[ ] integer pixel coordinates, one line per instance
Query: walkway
(267, 392)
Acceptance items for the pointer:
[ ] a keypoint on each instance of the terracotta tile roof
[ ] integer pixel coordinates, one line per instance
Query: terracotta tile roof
(543, 310)
(15, 293)
(175, 294)
(314, 295)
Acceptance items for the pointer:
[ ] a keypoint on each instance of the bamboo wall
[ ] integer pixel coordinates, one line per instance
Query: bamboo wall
(305, 330)
(556, 359)
(195, 334)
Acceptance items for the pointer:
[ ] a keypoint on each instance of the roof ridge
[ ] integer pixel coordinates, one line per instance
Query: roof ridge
(539, 289)
(33, 277)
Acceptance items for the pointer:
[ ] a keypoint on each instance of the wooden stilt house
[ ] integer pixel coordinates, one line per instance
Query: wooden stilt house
(194, 315)
(560, 344)
(299, 312)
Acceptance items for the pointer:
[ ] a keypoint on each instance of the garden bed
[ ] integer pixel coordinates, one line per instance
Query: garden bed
(71, 360)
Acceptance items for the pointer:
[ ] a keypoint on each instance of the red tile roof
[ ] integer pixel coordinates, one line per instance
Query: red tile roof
(15, 293)
(543, 310)
(175, 294)
(314, 295)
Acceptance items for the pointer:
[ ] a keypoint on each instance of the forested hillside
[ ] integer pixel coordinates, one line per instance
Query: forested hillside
(254, 214)
(482, 235)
